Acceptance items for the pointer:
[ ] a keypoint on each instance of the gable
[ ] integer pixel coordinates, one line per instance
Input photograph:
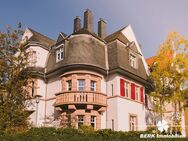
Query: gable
(129, 34)
(61, 37)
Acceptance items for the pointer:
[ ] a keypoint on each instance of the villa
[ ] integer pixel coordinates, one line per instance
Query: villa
(89, 79)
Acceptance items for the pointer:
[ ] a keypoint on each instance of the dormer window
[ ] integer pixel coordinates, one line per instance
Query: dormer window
(132, 60)
(59, 54)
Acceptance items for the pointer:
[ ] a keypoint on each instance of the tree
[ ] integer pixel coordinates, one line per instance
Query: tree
(169, 74)
(13, 81)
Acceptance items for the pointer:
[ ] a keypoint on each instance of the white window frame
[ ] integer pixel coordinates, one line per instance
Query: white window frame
(132, 60)
(81, 120)
(127, 89)
(60, 53)
(133, 122)
(137, 93)
(92, 85)
(93, 121)
(69, 85)
(81, 86)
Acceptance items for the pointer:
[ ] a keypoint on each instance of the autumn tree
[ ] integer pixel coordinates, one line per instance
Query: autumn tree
(13, 81)
(169, 74)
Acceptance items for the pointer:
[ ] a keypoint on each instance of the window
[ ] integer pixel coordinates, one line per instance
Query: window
(132, 60)
(93, 85)
(137, 92)
(69, 85)
(59, 54)
(112, 88)
(127, 89)
(32, 88)
(81, 85)
(32, 58)
(93, 121)
(132, 123)
(81, 120)
(112, 125)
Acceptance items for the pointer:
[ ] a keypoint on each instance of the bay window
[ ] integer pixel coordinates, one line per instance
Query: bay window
(69, 85)
(92, 85)
(81, 84)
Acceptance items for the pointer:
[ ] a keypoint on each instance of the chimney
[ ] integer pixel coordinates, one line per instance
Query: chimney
(88, 20)
(101, 28)
(77, 24)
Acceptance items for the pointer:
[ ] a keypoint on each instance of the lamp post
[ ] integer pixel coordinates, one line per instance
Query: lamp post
(37, 102)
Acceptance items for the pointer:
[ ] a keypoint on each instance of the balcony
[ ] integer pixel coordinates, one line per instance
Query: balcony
(81, 97)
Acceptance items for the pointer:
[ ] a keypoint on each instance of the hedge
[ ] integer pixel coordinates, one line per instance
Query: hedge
(83, 134)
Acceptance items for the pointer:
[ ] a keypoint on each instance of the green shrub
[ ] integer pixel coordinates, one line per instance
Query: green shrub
(82, 134)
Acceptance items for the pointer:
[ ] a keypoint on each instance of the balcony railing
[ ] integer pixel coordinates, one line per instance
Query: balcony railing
(81, 97)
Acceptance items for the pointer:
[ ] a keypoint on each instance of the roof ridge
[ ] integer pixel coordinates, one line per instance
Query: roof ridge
(86, 31)
(39, 37)
(36, 32)
(116, 32)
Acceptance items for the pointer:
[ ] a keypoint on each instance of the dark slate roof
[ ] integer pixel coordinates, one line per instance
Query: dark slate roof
(85, 31)
(89, 52)
(83, 50)
(61, 37)
(133, 47)
(117, 35)
(63, 34)
(38, 37)
(118, 57)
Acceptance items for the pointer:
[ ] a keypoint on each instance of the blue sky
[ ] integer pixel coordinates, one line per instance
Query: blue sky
(151, 19)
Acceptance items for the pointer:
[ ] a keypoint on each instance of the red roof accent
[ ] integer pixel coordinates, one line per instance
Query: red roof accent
(150, 60)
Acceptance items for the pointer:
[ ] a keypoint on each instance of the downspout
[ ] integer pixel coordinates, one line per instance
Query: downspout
(45, 80)
(106, 98)
(107, 71)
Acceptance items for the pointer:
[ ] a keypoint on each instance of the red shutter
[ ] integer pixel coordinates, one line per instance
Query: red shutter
(133, 91)
(141, 94)
(122, 89)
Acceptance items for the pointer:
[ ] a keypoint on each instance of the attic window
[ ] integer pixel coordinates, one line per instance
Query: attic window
(59, 54)
(132, 60)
